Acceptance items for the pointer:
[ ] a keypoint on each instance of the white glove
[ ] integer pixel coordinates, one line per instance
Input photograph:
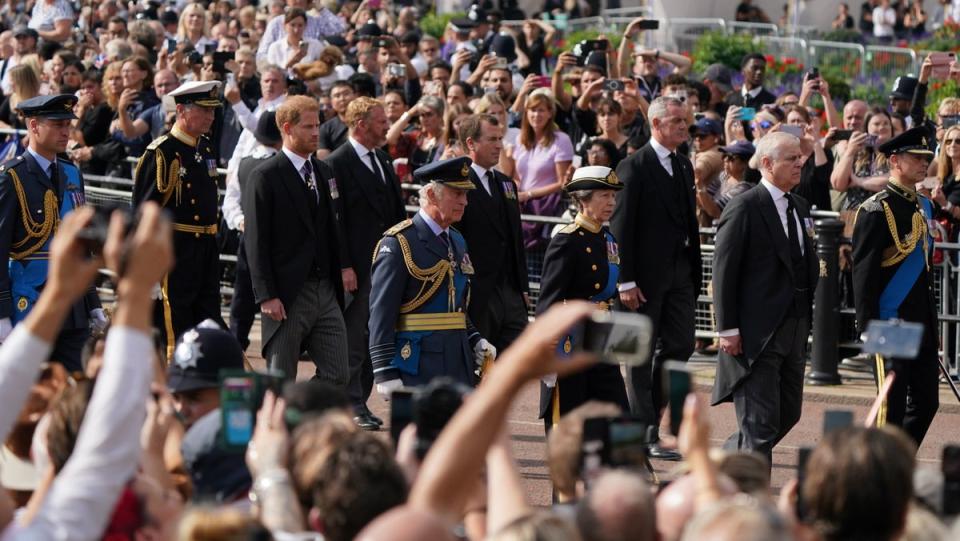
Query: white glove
(6, 327)
(98, 320)
(482, 349)
(550, 380)
(386, 388)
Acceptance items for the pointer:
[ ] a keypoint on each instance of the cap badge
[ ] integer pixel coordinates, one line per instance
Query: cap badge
(612, 179)
(465, 171)
(188, 351)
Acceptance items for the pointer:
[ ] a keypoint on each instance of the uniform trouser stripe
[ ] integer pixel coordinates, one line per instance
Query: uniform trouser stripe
(167, 317)
(881, 376)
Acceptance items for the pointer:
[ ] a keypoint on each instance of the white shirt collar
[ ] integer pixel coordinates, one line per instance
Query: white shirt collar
(361, 150)
(775, 192)
(272, 104)
(480, 171)
(434, 226)
(662, 152)
(752, 93)
(294, 158)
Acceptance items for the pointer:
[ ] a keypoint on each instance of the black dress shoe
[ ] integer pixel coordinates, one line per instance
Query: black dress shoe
(366, 423)
(366, 411)
(659, 453)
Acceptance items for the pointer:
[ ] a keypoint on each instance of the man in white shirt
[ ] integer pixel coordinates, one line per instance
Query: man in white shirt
(765, 271)
(884, 17)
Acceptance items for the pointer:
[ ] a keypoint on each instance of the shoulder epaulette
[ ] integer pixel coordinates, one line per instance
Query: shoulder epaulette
(156, 142)
(398, 228)
(874, 204)
(10, 164)
(569, 229)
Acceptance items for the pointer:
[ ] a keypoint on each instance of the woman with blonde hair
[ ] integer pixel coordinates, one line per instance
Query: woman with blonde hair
(948, 174)
(25, 85)
(194, 29)
(451, 124)
(539, 163)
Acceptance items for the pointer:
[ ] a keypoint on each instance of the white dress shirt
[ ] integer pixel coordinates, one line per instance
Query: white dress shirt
(297, 161)
(482, 174)
(280, 52)
(324, 23)
(365, 157)
(107, 450)
(232, 204)
(750, 93)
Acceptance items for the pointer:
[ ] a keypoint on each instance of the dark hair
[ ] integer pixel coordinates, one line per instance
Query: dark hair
(702, 92)
(438, 63)
(608, 146)
(860, 483)
(293, 13)
(751, 56)
(359, 481)
(338, 84)
(608, 105)
(66, 418)
(467, 89)
(400, 94)
(675, 79)
(308, 399)
(472, 126)
(363, 85)
(92, 75)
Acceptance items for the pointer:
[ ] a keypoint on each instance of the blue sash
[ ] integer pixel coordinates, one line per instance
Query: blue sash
(28, 275)
(907, 274)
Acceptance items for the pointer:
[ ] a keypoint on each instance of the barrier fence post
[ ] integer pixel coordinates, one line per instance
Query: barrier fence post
(825, 354)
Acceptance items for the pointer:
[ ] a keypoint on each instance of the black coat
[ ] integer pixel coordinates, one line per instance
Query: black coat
(495, 242)
(763, 98)
(281, 232)
(650, 225)
(366, 206)
(753, 277)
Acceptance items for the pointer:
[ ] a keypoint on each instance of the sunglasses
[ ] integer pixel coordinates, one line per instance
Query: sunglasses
(763, 124)
(951, 141)
(730, 158)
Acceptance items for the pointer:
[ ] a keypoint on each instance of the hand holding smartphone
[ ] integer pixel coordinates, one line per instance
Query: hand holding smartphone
(676, 385)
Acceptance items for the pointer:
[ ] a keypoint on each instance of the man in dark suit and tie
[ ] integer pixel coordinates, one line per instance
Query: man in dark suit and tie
(491, 227)
(764, 273)
(655, 223)
(293, 249)
(752, 94)
(368, 204)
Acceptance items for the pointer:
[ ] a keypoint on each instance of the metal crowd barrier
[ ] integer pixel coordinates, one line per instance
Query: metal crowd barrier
(889, 62)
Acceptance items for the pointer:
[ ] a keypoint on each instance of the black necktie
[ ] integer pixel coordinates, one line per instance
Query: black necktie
(674, 163)
(445, 239)
(489, 177)
(792, 233)
(308, 179)
(376, 167)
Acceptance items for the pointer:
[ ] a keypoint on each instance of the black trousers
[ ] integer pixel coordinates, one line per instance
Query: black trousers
(769, 400)
(674, 333)
(360, 366)
(601, 382)
(191, 291)
(243, 306)
(501, 317)
(915, 394)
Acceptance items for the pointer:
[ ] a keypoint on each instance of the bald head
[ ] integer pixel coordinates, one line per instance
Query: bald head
(405, 523)
(854, 113)
(676, 504)
(619, 506)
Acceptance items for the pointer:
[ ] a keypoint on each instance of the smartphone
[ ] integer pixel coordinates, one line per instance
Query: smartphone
(803, 456)
(593, 454)
(94, 235)
(231, 79)
(951, 480)
(842, 135)
(401, 412)
(171, 46)
(949, 121)
(900, 339)
(796, 131)
(626, 441)
(836, 419)
(373, 4)
(543, 81)
(396, 70)
(871, 141)
(238, 410)
(613, 85)
(814, 73)
(594, 45)
(220, 59)
(941, 64)
(676, 386)
(617, 337)
(747, 113)
(649, 24)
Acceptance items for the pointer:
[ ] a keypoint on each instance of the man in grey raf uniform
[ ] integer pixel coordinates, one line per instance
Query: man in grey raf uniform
(420, 285)
(179, 172)
(37, 189)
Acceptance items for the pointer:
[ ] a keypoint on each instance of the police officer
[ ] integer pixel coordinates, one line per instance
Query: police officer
(892, 247)
(37, 189)
(420, 285)
(583, 262)
(179, 172)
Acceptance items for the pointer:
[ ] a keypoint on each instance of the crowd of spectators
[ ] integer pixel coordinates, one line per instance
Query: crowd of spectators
(140, 454)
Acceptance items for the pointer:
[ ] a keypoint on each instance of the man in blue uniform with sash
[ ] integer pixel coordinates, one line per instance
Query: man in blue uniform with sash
(892, 248)
(419, 290)
(37, 189)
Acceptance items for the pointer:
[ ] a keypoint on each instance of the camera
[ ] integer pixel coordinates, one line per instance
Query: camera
(429, 408)
(94, 235)
(616, 337)
(615, 442)
(613, 85)
(583, 49)
(396, 70)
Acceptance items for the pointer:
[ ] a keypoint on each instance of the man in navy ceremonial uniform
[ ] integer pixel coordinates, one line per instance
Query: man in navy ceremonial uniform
(179, 172)
(892, 248)
(419, 290)
(37, 189)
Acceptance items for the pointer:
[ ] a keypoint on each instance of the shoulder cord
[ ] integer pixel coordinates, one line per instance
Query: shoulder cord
(39, 233)
(167, 184)
(905, 248)
(434, 274)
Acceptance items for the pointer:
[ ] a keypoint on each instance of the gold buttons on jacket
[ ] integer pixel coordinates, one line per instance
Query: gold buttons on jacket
(596, 286)
(593, 267)
(196, 218)
(589, 250)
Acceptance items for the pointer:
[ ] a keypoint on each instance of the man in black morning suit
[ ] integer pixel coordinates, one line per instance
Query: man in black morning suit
(292, 245)
(656, 226)
(491, 227)
(369, 202)
(765, 269)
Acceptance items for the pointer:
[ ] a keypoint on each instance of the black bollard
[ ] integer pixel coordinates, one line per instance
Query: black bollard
(825, 354)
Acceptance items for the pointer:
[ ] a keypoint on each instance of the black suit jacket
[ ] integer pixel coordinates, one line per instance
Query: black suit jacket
(649, 226)
(366, 207)
(280, 233)
(494, 244)
(763, 98)
(753, 277)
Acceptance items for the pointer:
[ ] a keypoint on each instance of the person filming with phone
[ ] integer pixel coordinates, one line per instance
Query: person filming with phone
(295, 48)
(765, 272)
